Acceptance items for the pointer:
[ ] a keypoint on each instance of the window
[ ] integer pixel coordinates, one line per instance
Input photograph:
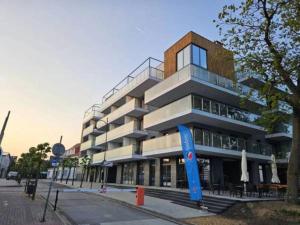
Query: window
(206, 137)
(198, 136)
(223, 110)
(206, 105)
(199, 56)
(203, 62)
(196, 55)
(179, 60)
(184, 57)
(217, 140)
(215, 108)
(197, 102)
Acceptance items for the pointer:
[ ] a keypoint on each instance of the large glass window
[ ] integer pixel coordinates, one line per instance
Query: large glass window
(152, 173)
(184, 57)
(215, 108)
(198, 136)
(128, 173)
(206, 137)
(196, 55)
(192, 54)
(179, 60)
(217, 140)
(206, 105)
(165, 172)
(199, 56)
(203, 62)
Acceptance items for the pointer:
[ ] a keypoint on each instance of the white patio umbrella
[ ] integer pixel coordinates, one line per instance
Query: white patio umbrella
(245, 176)
(275, 178)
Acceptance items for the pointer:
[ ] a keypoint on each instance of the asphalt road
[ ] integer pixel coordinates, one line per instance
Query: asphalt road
(87, 208)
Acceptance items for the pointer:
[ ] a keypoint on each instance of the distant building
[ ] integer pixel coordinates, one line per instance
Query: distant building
(5, 161)
(72, 152)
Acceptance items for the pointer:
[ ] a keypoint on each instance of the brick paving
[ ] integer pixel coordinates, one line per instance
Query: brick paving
(17, 209)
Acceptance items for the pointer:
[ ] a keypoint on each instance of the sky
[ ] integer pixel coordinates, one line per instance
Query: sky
(59, 57)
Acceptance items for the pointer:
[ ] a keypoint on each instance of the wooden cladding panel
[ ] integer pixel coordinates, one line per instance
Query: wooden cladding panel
(219, 59)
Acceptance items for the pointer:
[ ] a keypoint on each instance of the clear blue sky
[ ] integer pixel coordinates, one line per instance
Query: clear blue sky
(59, 57)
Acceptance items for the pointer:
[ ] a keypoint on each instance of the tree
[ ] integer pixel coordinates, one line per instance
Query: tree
(75, 164)
(70, 163)
(85, 163)
(265, 37)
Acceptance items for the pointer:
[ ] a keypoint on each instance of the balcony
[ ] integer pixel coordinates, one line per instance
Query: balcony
(131, 129)
(92, 113)
(283, 132)
(90, 130)
(169, 145)
(131, 108)
(90, 144)
(129, 152)
(195, 109)
(146, 75)
(194, 79)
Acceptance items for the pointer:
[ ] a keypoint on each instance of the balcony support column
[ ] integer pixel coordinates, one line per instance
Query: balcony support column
(119, 174)
(146, 172)
(173, 173)
(157, 172)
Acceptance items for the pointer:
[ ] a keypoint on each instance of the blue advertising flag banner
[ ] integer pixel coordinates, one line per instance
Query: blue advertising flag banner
(191, 165)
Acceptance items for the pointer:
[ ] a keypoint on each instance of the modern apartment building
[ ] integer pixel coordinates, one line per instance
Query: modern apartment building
(195, 85)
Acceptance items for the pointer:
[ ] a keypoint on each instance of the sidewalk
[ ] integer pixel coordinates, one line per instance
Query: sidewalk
(9, 183)
(16, 208)
(155, 205)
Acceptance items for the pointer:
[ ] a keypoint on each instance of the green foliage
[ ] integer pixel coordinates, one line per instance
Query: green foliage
(85, 161)
(31, 163)
(265, 37)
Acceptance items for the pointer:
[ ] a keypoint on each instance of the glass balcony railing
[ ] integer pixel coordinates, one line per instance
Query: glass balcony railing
(224, 110)
(119, 132)
(208, 138)
(123, 152)
(210, 77)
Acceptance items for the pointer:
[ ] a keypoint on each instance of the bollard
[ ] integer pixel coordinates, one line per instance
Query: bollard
(56, 198)
(139, 197)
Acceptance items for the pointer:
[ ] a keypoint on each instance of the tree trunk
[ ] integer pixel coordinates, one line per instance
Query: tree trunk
(68, 175)
(74, 169)
(82, 177)
(293, 165)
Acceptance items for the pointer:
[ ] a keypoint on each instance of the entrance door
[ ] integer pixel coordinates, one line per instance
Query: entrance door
(165, 172)
(152, 173)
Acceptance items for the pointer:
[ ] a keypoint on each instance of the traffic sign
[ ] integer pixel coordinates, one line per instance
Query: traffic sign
(58, 149)
(107, 164)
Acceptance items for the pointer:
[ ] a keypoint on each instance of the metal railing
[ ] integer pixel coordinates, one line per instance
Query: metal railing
(93, 111)
(151, 65)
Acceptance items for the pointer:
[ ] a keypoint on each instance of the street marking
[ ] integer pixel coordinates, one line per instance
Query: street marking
(5, 203)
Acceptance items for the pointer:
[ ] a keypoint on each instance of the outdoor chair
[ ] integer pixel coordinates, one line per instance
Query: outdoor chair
(251, 190)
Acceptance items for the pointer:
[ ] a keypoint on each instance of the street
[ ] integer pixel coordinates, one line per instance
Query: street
(87, 208)
(77, 207)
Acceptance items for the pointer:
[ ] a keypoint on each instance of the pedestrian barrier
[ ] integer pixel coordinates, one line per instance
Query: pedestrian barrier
(139, 196)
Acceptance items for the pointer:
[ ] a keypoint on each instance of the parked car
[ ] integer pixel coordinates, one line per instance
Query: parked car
(12, 175)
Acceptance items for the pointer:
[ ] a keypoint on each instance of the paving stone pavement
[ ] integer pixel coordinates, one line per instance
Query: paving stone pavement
(17, 209)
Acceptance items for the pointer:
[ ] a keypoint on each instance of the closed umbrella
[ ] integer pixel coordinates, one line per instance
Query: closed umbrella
(275, 178)
(244, 177)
